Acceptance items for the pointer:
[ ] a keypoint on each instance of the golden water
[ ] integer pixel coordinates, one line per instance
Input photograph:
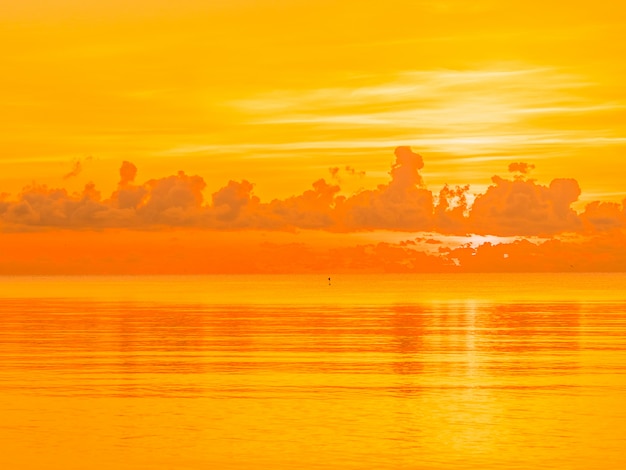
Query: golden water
(287, 372)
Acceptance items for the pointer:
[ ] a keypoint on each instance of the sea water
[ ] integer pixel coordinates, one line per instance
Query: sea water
(486, 371)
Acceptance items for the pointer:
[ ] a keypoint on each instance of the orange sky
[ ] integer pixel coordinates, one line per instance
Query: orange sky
(276, 96)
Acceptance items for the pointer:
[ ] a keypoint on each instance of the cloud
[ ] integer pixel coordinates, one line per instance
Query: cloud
(354, 172)
(405, 171)
(604, 216)
(39, 205)
(77, 167)
(229, 201)
(351, 171)
(521, 167)
(173, 200)
(502, 108)
(186, 251)
(128, 196)
(525, 208)
(507, 208)
(313, 208)
(128, 173)
(403, 204)
(450, 212)
(601, 253)
(177, 200)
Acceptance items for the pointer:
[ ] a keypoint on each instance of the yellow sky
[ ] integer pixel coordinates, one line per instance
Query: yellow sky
(277, 92)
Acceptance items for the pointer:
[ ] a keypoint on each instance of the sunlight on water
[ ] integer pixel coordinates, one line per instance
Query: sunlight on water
(387, 372)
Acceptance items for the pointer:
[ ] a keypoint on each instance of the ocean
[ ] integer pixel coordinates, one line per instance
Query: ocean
(485, 371)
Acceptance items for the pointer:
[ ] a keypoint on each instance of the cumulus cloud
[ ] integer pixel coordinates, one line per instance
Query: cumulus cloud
(405, 171)
(525, 208)
(175, 200)
(312, 209)
(509, 207)
(403, 204)
(229, 201)
(549, 234)
(604, 216)
(39, 205)
(128, 196)
(450, 212)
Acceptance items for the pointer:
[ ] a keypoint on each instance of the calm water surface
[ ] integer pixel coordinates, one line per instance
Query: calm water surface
(287, 372)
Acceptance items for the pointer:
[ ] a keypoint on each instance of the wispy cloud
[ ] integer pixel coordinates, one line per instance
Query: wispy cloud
(450, 111)
(77, 167)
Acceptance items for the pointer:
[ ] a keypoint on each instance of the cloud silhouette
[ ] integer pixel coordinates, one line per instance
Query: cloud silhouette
(351, 171)
(177, 201)
(604, 216)
(229, 201)
(173, 200)
(77, 167)
(525, 208)
(521, 167)
(508, 207)
(601, 253)
(403, 204)
(450, 212)
(313, 208)
(115, 251)
(128, 173)
(128, 196)
(39, 205)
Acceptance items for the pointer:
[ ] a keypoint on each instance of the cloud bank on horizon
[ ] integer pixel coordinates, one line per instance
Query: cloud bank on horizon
(515, 206)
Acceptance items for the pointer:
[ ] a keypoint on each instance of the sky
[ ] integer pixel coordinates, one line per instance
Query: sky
(249, 136)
